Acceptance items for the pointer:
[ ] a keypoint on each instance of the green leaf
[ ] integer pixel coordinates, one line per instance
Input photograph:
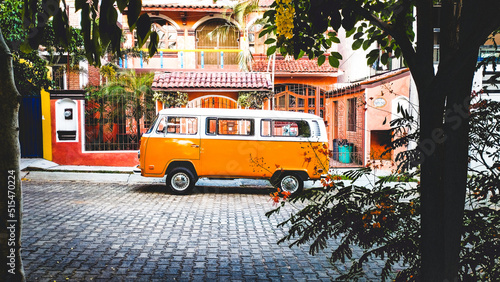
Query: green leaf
(122, 5)
(350, 32)
(357, 44)
(153, 43)
(358, 35)
(143, 28)
(270, 41)
(385, 58)
(134, 10)
(335, 39)
(334, 61)
(271, 50)
(367, 44)
(336, 55)
(60, 21)
(301, 54)
(321, 60)
(266, 31)
(51, 7)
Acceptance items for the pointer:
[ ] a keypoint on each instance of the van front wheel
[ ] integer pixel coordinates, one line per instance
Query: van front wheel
(291, 182)
(180, 180)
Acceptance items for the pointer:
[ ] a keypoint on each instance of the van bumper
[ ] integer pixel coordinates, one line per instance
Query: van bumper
(137, 170)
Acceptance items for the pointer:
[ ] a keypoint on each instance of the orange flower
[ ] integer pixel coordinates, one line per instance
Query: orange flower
(376, 225)
(384, 218)
(286, 194)
(375, 212)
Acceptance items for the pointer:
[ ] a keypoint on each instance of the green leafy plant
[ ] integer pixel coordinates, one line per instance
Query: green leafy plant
(253, 99)
(382, 215)
(171, 99)
(240, 13)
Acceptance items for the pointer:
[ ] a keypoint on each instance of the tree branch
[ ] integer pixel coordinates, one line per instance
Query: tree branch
(397, 33)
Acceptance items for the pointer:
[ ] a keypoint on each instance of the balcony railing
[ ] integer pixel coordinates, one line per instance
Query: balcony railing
(183, 59)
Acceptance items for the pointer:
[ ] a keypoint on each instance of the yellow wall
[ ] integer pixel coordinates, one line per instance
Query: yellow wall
(46, 125)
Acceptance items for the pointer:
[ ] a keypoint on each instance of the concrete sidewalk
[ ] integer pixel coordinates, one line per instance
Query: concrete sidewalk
(44, 170)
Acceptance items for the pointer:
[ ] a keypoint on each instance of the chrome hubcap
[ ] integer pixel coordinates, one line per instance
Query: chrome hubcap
(289, 184)
(180, 181)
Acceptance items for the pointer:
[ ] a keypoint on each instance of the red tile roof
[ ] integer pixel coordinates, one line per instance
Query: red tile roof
(293, 66)
(223, 81)
(196, 4)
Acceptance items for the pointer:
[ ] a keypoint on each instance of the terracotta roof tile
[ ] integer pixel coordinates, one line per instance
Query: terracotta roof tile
(197, 4)
(293, 66)
(191, 80)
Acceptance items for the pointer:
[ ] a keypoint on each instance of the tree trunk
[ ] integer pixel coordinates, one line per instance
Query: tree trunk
(444, 143)
(11, 266)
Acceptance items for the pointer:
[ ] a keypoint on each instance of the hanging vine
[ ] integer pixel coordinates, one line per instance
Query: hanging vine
(253, 99)
(171, 99)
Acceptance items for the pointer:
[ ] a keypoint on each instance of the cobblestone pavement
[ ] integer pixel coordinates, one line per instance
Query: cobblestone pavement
(80, 231)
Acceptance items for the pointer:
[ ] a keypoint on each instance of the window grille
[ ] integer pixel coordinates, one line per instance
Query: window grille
(298, 98)
(116, 122)
(351, 114)
(229, 41)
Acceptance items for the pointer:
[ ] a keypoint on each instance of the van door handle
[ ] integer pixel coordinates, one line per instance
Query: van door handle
(195, 146)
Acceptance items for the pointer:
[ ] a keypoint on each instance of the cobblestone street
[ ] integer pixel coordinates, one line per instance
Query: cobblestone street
(86, 231)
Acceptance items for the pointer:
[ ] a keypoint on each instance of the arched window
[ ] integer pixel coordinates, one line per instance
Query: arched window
(167, 34)
(227, 41)
(299, 98)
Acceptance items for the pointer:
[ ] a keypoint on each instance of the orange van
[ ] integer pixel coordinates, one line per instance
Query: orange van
(185, 144)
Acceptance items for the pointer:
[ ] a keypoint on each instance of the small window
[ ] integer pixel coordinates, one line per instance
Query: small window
(211, 126)
(351, 114)
(316, 129)
(178, 125)
(311, 102)
(280, 128)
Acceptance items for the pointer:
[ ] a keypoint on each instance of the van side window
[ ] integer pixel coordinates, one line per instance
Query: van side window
(316, 131)
(178, 125)
(293, 128)
(211, 126)
(235, 127)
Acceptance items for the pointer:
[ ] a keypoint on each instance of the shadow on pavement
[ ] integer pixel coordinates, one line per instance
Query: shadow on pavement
(162, 189)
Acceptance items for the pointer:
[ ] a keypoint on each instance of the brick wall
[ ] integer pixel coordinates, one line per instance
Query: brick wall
(73, 80)
(357, 136)
(94, 76)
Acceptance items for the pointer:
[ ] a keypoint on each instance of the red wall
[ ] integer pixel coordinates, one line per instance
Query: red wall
(70, 153)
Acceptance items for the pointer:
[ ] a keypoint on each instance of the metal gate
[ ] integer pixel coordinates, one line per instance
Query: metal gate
(30, 127)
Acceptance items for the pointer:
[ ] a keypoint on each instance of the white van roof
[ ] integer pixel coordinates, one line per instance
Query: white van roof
(243, 113)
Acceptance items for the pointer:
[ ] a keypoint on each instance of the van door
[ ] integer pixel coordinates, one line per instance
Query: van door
(176, 138)
(229, 147)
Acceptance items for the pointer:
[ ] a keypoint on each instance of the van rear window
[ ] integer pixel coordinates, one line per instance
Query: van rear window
(292, 128)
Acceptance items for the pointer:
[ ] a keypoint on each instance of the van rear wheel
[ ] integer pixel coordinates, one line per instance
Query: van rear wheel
(291, 182)
(180, 180)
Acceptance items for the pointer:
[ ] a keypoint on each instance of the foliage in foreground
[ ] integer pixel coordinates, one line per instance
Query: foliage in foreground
(382, 217)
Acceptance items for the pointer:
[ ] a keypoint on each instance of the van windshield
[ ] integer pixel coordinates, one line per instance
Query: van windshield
(153, 124)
